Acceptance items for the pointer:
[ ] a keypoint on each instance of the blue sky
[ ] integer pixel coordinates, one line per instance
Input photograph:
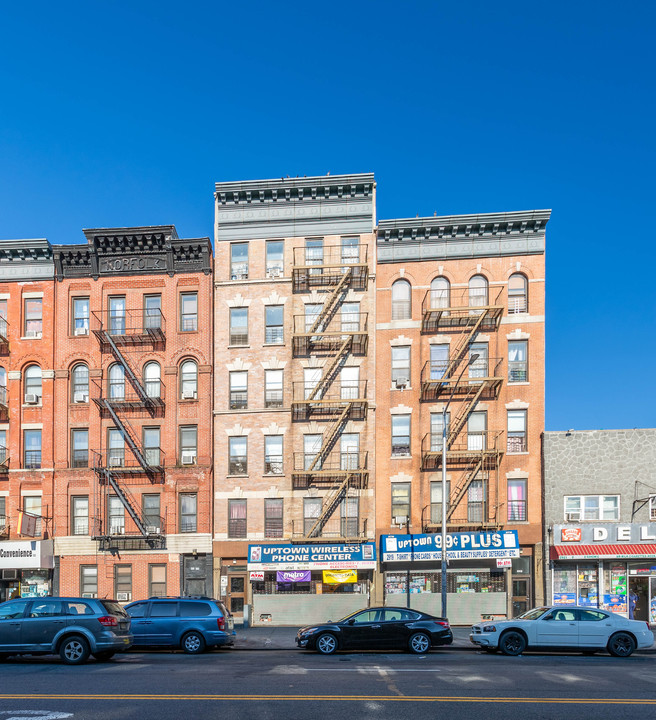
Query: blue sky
(117, 113)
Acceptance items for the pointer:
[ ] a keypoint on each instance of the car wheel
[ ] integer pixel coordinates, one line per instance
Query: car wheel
(621, 645)
(104, 655)
(326, 644)
(512, 643)
(193, 643)
(74, 650)
(419, 643)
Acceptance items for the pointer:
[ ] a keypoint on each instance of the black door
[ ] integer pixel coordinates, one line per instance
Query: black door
(194, 572)
(45, 618)
(395, 627)
(363, 631)
(11, 614)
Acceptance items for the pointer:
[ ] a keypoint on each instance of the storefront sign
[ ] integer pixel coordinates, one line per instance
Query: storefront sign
(26, 554)
(293, 576)
(606, 532)
(257, 576)
(504, 562)
(333, 577)
(312, 557)
(459, 546)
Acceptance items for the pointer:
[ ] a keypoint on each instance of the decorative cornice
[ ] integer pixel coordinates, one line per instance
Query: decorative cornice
(26, 260)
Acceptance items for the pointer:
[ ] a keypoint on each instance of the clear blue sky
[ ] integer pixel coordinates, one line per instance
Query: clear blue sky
(126, 113)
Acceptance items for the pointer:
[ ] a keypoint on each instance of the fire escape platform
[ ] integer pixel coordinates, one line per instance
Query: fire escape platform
(433, 389)
(323, 342)
(328, 409)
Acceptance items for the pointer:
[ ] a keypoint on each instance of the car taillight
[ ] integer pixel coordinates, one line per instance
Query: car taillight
(108, 621)
(443, 623)
(221, 623)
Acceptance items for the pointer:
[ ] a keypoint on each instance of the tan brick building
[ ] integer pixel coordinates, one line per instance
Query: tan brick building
(460, 321)
(294, 432)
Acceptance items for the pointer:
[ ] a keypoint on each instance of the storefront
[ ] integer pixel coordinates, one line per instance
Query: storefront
(478, 573)
(25, 569)
(601, 565)
(301, 584)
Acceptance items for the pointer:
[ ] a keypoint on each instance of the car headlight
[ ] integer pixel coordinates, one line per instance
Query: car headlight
(489, 628)
(309, 631)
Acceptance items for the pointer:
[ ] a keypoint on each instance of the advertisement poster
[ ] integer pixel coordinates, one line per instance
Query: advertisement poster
(568, 598)
(615, 603)
(340, 576)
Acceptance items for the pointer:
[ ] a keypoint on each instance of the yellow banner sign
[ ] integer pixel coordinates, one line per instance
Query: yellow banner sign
(340, 576)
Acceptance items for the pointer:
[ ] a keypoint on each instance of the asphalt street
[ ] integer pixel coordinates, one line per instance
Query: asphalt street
(297, 684)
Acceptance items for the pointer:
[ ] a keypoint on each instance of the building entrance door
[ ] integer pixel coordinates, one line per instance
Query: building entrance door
(521, 595)
(640, 586)
(194, 575)
(236, 594)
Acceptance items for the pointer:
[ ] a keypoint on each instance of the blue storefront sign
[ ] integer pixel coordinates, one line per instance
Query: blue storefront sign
(312, 557)
(459, 546)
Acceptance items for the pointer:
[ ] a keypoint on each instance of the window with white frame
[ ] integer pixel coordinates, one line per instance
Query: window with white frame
(273, 454)
(239, 261)
(652, 507)
(238, 389)
(517, 293)
(517, 500)
(517, 441)
(400, 435)
(275, 250)
(273, 388)
(401, 366)
(273, 325)
(401, 300)
(189, 380)
(592, 507)
(518, 361)
(436, 498)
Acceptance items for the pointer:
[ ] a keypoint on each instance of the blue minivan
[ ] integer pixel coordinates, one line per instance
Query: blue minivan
(190, 623)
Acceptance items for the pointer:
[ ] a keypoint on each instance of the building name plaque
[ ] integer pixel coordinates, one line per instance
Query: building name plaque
(133, 263)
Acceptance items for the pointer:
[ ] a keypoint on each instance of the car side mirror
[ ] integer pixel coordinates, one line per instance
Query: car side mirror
(351, 621)
(549, 617)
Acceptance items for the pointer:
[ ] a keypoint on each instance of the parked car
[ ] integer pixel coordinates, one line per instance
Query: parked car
(563, 628)
(71, 626)
(377, 628)
(190, 623)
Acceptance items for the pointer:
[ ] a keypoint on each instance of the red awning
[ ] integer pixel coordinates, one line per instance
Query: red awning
(574, 551)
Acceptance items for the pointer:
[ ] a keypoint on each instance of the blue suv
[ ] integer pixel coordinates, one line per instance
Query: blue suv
(190, 623)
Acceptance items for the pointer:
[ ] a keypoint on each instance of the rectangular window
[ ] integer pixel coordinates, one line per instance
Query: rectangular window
(88, 580)
(123, 582)
(350, 517)
(273, 330)
(273, 388)
(80, 316)
(32, 505)
(239, 261)
(80, 448)
(401, 366)
(349, 379)
(32, 449)
(314, 254)
(477, 501)
(400, 500)
(350, 317)
(3, 514)
(273, 509)
(652, 507)
(312, 312)
(156, 580)
(439, 361)
(239, 326)
(436, 501)
(152, 312)
(116, 448)
(350, 250)
(3, 319)
(238, 455)
(80, 515)
(3, 447)
(477, 430)
(117, 315)
(517, 431)
(400, 435)
(518, 361)
(33, 317)
(236, 518)
(188, 512)
(275, 258)
(349, 451)
(592, 507)
(188, 444)
(238, 390)
(273, 454)
(189, 312)
(311, 377)
(479, 366)
(151, 511)
(311, 448)
(311, 513)
(437, 426)
(516, 500)
(115, 516)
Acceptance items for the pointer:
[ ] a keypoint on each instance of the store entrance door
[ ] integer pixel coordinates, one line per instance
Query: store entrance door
(237, 594)
(521, 595)
(640, 586)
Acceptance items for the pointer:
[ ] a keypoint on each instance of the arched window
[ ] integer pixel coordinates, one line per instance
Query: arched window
(33, 389)
(478, 295)
(80, 383)
(440, 293)
(116, 387)
(189, 380)
(401, 300)
(152, 377)
(517, 293)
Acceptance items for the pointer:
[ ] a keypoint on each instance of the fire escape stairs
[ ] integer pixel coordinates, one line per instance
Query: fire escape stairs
(464, 482)
(331, 503)
(125, 498)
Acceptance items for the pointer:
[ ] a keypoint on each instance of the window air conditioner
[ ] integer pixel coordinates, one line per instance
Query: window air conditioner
(81, 331)
(401, 382)
(123, 596)
(115, 461)
(32, 333)
(188, 458)
(10, 574)
(31, 399)
(240, 276)
(89, 595)
(274, 272)
(400, 520)
(117, 530)
(189, 395)
(573, 516)
(152, 529)
(80, 397)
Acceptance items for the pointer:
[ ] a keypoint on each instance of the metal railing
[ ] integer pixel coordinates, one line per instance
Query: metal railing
(138, 324)
(335, 528)
(238, 399)
(238, 465)
(274, 334)
(32, 459)
(273, 398)
(517, 371)
(517, 443)
(335, 462)
(273, 465)
(80, 459)
(238, 337)
(123, 460)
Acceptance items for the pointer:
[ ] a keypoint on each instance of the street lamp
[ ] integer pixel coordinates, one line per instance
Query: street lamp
(445, 496)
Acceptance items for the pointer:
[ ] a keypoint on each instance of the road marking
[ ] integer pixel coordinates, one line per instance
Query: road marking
(348, 698)
(35, 714)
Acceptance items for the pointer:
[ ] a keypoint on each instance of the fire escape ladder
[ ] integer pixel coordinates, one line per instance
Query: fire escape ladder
(129, 436)
(461, 349)
(331, 302)
(129, 373)
(464, 483)
(330, 438)
(459, 423)
(327, 377)
(330, 504)
(124, 496)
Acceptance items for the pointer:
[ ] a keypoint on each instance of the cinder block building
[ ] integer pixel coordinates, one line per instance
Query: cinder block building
(294, 366)
(460, 341)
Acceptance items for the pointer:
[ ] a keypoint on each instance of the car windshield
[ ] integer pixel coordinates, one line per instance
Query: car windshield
(533, 614)
(350, 615)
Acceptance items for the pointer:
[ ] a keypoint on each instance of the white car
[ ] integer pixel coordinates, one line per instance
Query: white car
(563, 628)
